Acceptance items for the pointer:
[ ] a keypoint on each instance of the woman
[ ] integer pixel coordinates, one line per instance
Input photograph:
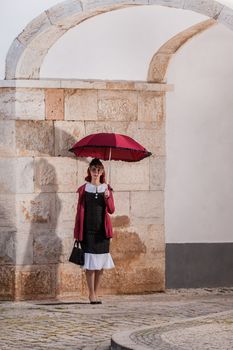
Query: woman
(93, 226)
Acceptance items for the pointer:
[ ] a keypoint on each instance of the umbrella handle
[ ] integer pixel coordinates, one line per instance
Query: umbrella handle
(109, 164)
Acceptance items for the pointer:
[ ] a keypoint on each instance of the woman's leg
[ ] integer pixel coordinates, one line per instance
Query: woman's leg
(90, 276)
(98, 274)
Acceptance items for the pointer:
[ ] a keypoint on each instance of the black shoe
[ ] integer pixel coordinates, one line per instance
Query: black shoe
(96, 302)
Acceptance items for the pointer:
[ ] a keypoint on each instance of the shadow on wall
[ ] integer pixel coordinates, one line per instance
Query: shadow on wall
(32, 246)
(50, 237)
(7, 249)
(43, 252)
(49, 243)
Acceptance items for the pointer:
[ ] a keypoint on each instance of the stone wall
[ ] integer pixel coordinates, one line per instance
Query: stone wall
(39, 121)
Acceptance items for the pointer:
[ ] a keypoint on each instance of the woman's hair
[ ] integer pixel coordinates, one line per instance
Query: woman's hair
(97, 163)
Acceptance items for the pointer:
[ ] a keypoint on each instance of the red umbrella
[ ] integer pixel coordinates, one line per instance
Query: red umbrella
(110, 146)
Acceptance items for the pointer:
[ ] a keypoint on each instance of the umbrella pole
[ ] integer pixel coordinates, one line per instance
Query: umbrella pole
(109, 165)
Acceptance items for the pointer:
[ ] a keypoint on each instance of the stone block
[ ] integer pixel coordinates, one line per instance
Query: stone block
(143, 280)
(7, 248)
(168, 3)
(226, 17)
(55, 174)
(39, 45)
(24, 249)
(117, 105)
(67, 202)
(8, 175)
(83, 164)
(54, 104)
(138, 267)
(81, 105)
(100, 5)
(7, 212)
(34, 138)
(127, 281)
(121, 200)
(157, 173)
(126, 247)
(66, 15)
(38, 25)
(7, 138)
(15, 51)
(67, 246)
(156, 239)
(83, 84)
(30, 63)
(120, 85)
(65, 232)
(151, 107)
(146, 133)
(153, 236)
(148, 136)
(153, 86)
(47, 248)
(36, 282)
(158, 68)
(147, 207)
(33, 56)
(7, 282)
(36, 212)
(22, 104)
(111, 126)
(127, 176)
(16, 175)
(121, 218)
(67, 133)
(25, 175)
(71, 280)
(208, 7)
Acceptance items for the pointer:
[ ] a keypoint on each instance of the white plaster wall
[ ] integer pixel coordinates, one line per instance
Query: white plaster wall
(199, 171)
(117, 44)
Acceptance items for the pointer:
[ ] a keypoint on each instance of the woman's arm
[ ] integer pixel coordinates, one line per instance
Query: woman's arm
(76, 226)
(109, 200)
(77, 217)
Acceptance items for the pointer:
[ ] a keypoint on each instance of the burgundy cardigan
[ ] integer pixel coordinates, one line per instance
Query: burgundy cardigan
(110, 208)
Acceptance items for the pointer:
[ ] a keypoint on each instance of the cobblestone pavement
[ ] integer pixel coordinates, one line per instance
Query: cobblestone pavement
(214, 332)
(62, 325)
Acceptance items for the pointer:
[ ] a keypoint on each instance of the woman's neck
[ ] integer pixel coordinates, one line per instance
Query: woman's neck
(95, 182)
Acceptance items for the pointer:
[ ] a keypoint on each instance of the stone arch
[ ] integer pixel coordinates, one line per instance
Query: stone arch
(28, 50)
(160, 61)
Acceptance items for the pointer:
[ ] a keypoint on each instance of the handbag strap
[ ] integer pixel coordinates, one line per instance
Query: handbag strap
(76, 243)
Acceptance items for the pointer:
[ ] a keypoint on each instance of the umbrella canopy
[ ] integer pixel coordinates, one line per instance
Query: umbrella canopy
(110, 146)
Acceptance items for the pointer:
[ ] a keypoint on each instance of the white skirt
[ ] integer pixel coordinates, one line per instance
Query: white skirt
(98, 261)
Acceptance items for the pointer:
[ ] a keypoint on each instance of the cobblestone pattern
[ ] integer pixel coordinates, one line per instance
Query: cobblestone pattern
(78, 325)
(213, 332)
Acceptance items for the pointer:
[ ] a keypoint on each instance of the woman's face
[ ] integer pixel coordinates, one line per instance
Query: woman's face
(96, 171)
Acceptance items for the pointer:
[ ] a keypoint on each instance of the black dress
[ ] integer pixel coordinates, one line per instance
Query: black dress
(95, 243)
(94, 239)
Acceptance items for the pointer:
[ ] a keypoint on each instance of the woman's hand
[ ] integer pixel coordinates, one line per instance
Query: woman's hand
(106, 193)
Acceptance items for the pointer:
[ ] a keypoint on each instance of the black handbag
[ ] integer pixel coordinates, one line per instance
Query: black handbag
(77, 254)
